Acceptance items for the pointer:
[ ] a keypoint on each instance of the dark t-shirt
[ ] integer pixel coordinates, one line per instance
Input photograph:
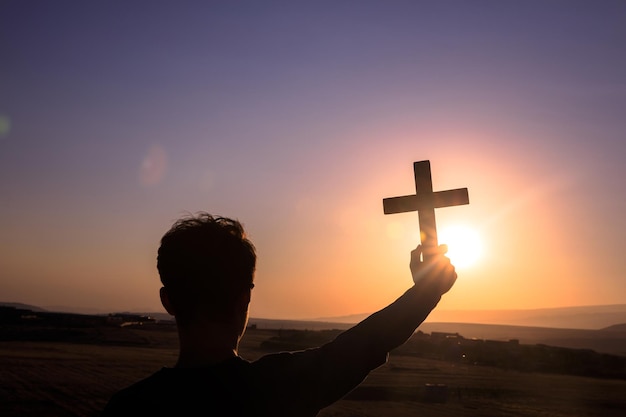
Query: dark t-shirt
(290, 384)
(283, 384)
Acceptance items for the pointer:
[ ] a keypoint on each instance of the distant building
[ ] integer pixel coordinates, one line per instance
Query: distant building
(126, 319)
(445, 335)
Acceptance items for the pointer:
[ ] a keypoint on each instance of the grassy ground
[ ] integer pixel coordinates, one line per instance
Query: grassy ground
(68, 379)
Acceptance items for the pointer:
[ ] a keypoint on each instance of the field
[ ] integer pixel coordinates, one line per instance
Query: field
(46, 378)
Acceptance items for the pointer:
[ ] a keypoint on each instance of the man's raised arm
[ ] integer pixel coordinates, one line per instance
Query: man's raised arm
(394, 324)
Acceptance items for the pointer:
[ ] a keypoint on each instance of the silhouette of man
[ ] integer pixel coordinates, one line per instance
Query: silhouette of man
(207, 265)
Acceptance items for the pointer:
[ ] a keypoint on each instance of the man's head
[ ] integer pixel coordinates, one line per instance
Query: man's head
(206, 265)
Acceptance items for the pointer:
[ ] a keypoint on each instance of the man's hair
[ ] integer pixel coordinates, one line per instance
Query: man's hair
(205, 263)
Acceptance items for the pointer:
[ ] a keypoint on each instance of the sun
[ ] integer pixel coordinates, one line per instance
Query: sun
(464, 245)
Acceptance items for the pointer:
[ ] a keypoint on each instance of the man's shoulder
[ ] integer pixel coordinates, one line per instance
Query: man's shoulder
(173, 388)
(149, 383)
(152, 385)
(177, 378)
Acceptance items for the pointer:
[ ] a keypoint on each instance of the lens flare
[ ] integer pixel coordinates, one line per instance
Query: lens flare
(5, 125)
(153, 167)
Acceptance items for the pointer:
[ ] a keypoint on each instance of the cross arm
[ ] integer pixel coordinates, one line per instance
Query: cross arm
(414, 202)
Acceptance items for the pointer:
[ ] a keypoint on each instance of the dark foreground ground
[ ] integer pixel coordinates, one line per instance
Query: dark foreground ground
(57, 378)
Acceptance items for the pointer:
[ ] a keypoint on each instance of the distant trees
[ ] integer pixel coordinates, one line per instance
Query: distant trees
(513, 355)
(453, 347)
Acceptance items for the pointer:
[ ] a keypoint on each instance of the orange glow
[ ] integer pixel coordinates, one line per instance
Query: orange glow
(465, 245)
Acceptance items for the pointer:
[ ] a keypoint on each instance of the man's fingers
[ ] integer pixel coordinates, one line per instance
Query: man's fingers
(437, 265)
(431, 253)
(416, 256)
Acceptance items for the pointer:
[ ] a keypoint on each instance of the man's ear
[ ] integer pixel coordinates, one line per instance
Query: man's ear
(165, 300)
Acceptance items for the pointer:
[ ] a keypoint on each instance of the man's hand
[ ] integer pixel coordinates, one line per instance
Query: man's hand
(436, 274)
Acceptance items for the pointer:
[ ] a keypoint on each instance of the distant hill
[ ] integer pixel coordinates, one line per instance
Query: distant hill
(22, 306)
(605, 339)
(262, 323)
(582, 317)
(616, 328)
(610, 340)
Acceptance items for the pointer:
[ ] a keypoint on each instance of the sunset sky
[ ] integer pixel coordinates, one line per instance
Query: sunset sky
(298, 118)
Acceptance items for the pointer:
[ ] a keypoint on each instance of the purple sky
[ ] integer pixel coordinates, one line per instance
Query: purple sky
(117, 117)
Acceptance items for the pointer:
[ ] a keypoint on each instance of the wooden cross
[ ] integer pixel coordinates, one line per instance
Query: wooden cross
(425, 201)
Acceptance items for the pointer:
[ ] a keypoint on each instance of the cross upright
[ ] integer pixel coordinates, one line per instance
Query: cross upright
(425, 201)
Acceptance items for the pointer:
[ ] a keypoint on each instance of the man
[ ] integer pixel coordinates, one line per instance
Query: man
(207, 265)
